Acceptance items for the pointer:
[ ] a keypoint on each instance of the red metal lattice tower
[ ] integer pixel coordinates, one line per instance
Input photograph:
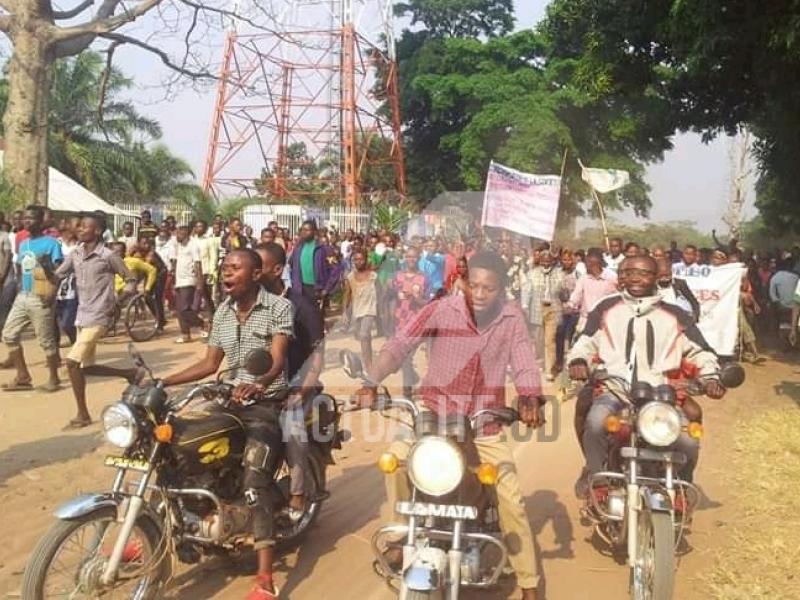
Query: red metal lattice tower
(310, 113)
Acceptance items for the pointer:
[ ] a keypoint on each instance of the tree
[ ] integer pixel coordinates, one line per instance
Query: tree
(718, 65)
(460, 18)
(648, 235)
(107, 151)
(508, 97)
(39, 37)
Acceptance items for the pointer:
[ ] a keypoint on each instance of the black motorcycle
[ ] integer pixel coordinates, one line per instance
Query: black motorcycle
(177, 493)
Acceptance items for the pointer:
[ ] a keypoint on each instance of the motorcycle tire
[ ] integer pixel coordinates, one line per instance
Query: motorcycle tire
(316, 475)
(656, 579)
(38, 567)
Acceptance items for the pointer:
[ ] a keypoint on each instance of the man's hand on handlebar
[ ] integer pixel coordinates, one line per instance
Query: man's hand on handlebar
(366, 397)
(578, 371)
(246, 391)
(531, 411)
(714, 389)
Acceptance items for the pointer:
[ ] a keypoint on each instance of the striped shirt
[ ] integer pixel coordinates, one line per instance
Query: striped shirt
(271, 316)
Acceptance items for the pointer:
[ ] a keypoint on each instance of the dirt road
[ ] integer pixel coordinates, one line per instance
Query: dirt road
(40, 467)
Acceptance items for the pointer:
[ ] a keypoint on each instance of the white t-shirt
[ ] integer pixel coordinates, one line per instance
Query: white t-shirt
(346, 248)
(166, 250)
(186, 256)
(613, 263)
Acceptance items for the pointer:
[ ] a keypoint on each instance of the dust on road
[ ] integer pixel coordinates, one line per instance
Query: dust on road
(40, 467)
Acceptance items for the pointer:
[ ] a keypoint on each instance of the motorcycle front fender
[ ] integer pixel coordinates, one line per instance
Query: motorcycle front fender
(427, 571)
(86, 504)
(656, 500)
(422, 578)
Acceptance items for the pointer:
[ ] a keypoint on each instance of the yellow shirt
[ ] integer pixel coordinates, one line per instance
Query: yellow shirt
(142, 270)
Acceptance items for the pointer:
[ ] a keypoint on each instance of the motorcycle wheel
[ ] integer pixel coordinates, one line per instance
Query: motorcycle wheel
(86, 539)
(654, 573)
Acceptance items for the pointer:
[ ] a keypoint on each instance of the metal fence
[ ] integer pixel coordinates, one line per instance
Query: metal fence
(257, 216)
(182, 213)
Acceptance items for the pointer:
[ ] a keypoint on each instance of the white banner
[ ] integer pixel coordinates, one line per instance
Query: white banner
(717, 289)
(605, 180)
(520, 202)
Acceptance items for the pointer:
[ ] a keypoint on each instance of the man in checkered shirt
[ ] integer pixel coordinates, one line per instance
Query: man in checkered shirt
(251, 318)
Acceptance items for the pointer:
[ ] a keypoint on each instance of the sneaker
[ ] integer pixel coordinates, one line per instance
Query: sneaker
(183, 340)
(582, 485)
(203, 335)
(550, 377)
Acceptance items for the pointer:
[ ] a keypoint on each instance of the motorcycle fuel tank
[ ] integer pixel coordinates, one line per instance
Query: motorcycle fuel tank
(208, 439)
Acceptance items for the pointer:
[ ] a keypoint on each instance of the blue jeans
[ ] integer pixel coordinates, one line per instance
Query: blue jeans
(595, 439)
(564, 335)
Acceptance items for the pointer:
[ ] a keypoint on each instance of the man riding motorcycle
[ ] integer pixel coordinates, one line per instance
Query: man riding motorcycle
(473, 339)
(637, 337)
(251, 318)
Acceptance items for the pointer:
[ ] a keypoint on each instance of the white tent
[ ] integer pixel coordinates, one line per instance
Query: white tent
(67, 195)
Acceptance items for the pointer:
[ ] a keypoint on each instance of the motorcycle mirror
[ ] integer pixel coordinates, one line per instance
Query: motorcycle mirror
(732, 375)
(258, 362)
(138, 359)
(351, 364)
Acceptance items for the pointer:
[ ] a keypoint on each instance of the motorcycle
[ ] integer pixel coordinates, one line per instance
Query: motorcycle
(177, 492)
(640, 504)
(452, 536)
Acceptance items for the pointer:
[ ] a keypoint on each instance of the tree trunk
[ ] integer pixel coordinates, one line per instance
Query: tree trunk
(25, 120)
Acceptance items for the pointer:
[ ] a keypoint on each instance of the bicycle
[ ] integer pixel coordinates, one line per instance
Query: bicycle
(140, 321)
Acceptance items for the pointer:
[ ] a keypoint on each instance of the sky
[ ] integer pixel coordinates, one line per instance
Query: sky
(692, 183)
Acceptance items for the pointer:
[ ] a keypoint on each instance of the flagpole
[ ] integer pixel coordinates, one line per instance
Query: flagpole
(602, 217)
(600, 209)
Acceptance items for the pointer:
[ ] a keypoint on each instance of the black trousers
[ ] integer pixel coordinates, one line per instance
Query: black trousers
(262, 457)
(186, 307)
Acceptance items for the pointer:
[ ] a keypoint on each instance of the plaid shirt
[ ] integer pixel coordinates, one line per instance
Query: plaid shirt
(271, 315)
(537, 283)
(467, 366)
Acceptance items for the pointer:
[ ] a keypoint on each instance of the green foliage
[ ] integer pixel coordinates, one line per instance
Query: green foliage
(310, 181)
(509, 97)
(104, 145)
(460, 18)
(709, 67)
(391, 218)
(756, 234)
(648, 235)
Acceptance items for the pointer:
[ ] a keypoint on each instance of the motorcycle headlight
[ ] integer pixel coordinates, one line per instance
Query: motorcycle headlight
(659, 424)
(435, 466)
(119, 425)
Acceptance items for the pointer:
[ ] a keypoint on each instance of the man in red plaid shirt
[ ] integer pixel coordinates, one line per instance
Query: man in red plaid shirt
(473, 341)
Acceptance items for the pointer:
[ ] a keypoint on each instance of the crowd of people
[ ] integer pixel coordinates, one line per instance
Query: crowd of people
(385, 280)
(520, 306)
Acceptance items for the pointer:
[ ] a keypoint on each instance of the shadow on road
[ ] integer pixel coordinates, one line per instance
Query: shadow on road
(790, 389)
(356, 498)
(39, 453)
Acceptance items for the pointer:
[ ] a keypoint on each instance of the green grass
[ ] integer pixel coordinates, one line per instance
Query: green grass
(761, 560)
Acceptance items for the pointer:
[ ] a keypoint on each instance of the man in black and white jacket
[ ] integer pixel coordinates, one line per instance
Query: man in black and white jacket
(637, 337)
